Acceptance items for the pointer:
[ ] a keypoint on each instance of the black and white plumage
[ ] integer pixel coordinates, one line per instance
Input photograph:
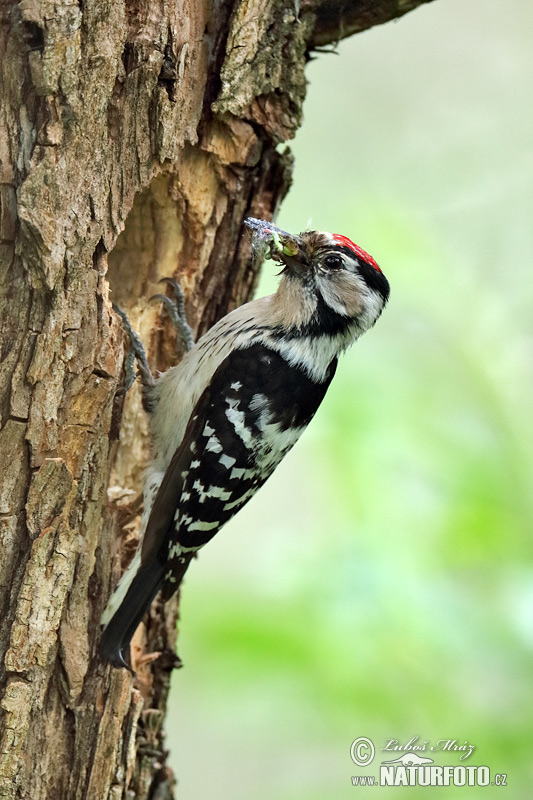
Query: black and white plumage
(222, 420)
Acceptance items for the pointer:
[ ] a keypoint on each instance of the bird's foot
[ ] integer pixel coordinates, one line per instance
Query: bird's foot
(135, 352)
(175, 308)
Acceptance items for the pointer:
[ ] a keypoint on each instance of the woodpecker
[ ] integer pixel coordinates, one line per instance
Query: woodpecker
(225, 416)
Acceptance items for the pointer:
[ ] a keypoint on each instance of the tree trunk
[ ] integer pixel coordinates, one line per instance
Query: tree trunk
(134, 139)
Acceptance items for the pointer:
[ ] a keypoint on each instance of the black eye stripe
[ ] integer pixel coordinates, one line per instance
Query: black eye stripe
(347, 252)
(374, 278)
(359, 261)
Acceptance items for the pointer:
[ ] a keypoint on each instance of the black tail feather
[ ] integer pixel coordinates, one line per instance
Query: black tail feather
(118, 632)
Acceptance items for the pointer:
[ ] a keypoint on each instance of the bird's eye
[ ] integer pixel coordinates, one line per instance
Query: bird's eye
(333, 262)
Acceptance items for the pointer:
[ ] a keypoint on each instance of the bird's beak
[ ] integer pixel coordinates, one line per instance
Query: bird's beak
(284, 248)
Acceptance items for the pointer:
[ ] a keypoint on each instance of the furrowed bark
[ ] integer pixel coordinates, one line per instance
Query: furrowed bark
(134, 139)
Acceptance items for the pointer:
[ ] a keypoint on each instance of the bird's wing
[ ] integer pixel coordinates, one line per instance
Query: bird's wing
(250, 415)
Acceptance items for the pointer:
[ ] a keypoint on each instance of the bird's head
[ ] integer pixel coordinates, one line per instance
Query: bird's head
(329, 285)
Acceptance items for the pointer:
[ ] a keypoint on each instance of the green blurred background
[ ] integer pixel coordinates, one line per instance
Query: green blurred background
(381, 584)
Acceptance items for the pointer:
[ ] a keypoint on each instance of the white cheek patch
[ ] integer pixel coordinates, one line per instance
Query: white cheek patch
(332, 298)
(373, 308)
(344, 292)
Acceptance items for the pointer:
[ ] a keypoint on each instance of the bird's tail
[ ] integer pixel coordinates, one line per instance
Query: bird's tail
(125, 609)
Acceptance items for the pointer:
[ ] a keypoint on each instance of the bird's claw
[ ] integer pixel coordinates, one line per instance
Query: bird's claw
(135, 352)
(175, 308)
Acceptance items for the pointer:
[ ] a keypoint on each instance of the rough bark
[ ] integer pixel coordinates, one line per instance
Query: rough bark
(134, 139)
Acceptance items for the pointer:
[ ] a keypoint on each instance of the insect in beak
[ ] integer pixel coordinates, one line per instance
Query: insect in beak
(276, 244)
